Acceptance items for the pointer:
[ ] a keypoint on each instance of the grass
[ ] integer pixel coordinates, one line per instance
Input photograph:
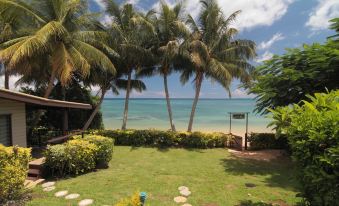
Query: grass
(214, 176)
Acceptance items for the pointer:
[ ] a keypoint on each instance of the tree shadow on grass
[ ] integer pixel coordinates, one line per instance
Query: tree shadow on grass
(279, 172)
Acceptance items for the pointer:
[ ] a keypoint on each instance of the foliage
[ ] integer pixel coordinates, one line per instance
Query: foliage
(13, 172)
(268, 141)
(313, 133)
(58, 36)
(288, 78)
(74, 157)
(132, 201)
(104, 145)
(160, 138)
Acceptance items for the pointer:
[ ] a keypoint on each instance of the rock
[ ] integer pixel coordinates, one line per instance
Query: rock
(183, 188)
(61, 193)
(86, 202)
(48, 189)
(48, 184)
(250, 185)
(72, 196)
(185, 192)
(180, 199)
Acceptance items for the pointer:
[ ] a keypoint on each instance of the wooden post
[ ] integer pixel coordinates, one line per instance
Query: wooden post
(246, 131)
(230, 123)
(65, 122)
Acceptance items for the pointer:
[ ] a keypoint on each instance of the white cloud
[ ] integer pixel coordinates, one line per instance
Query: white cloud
(256, 12)
(241, 93)
(322, 13)
(266, 45)
(12, 80)
(265, 56)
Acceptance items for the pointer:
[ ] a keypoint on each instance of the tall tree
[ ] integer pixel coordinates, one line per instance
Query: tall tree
(59, 31)
(170, 29)
(133, 33)
(214, 52)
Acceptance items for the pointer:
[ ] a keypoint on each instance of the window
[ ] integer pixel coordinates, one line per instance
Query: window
(5, 130)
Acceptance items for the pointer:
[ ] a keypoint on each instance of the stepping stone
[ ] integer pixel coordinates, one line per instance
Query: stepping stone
(185, 192)
(48, 184)
(86, 202)
(72, 196)
(48, 189)
(183, 188)
(180, 199)
(250, 185)
(186, 204)
(61, 193)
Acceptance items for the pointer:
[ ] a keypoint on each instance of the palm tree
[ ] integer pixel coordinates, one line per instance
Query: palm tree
(133, 33)
(213, 51)
(57, 30)
(170, 29)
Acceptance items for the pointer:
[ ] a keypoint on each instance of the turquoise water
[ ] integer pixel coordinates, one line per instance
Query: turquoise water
(211, 114)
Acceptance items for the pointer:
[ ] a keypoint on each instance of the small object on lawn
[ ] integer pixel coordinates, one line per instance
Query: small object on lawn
(85, 202)
(249, 194)
(185, 192)
(61, 193)
(250, 185)
(186, 204)
(180, 199)
(48, 184)
(48, 189)
(143, 196)
(72, 196)
(183, 188)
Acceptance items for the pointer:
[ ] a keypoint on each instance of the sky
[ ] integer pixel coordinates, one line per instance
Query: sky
(272, 24)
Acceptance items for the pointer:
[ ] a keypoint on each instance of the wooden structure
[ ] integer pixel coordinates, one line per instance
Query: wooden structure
(13, 114)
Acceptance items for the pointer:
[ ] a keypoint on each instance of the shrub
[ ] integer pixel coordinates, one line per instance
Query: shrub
(13, 172)
(268, 141)
(313, 134)
(104, 145)
(167, 138)
(132, 201)
(74, 157)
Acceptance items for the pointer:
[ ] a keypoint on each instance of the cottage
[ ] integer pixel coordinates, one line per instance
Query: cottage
(13, 114)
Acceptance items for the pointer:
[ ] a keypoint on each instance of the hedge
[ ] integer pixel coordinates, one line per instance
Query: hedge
(160, 138)
(78, 155)
(260, 141)
(312, 128)
(13, 172)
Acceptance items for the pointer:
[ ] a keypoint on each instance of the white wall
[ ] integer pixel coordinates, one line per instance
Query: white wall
(17, 110)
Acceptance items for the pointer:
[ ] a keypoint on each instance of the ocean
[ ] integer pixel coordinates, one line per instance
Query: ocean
(211, 115)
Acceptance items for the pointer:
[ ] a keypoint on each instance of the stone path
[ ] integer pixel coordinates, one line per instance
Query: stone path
(185, 192)
(85, 202)
(49, 186)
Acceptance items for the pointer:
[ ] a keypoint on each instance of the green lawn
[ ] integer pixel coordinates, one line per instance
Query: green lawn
(214, 177)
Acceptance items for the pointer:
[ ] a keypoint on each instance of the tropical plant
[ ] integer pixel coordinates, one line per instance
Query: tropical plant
(170, 29)
(58, 32)
(133, 34)
(213, 51)
(313, 135)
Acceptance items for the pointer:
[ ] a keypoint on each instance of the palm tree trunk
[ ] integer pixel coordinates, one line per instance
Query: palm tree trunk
(195, 102)
(50, 85)
(6, 78)
(95, 111)
(168, 103)
(46, 95)
(124, 122)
